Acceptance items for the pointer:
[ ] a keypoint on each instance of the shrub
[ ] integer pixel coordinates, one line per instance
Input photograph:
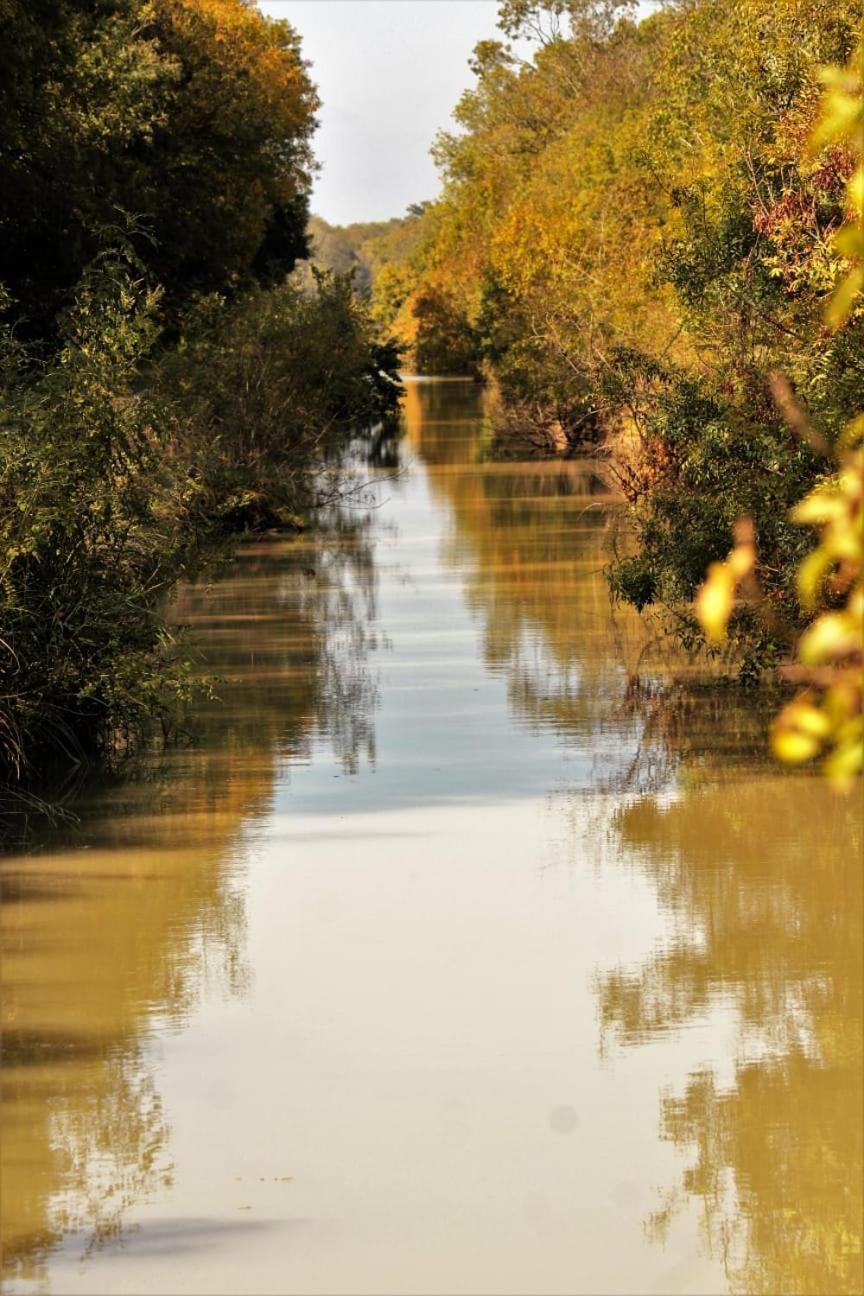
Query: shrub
(92, 527)
(116, 461)
(263, 390)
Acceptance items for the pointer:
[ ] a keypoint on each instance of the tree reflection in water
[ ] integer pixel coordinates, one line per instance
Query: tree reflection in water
(761, 882)
(119, 923)
(757, 872)
(529, 542)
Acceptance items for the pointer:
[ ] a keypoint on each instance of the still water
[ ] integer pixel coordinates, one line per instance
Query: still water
(445, 960)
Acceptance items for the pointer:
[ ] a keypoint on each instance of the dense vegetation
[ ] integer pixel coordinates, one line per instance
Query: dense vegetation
(367, 248)
(163, 380)
(635, 234)
(194, 116)
(639, 239)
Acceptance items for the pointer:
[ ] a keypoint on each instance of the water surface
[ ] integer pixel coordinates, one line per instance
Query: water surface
(446, 959)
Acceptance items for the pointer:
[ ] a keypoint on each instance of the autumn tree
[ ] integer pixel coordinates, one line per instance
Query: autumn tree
(187, 122)
(635, 237)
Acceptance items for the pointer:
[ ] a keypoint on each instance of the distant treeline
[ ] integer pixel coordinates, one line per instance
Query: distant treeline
(636, 231)
(164, 380)
(365, 248)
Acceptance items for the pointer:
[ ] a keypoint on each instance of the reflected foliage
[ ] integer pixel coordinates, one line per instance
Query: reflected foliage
(760, 880)
(771, 938)
(529, 541)
(137, 909)
(532, 540)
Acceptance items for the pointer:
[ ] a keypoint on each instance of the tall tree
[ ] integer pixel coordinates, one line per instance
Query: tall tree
(188, 119)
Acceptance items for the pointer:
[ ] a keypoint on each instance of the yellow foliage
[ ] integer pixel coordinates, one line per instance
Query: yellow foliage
(716, 596)
(714, 601)
(832, 646)
(830, 719)
(826, 718)
(841, 122)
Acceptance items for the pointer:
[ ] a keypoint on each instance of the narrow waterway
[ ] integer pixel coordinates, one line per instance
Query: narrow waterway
(443, 960)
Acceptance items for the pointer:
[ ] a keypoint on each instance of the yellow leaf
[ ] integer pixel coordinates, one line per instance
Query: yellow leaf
(792, 747)
(811, 574)
(852, 434)
(855, 189)
(819, 506)
(807, 718)
(834, 634)
(742, 560)
(714, 601)
(849, 241)
(842, 300)
(845, 762)
(799, 732)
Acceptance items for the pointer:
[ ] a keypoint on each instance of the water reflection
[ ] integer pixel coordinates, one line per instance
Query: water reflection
(761, 883)
(758, 874)
(347, 942)
(115, 926)
(529, 542)
(94, 944)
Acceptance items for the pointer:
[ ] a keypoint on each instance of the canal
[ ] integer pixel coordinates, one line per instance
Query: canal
(453, 952)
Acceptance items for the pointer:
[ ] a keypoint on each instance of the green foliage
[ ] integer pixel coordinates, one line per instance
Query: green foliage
(264, 388)
(827, 717)
(634, 234)
(155, 397)
(91, 519)
(444, 342)
(634, 580)
(704, 464)
(193, 116)
(115, 464)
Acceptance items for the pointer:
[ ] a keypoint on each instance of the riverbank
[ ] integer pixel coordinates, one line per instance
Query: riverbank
(168, 374)
(650, 239)
(126, 466)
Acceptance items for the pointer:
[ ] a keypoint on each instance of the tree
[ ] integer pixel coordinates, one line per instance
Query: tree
(633, 237)
(192, 117)
(828, 717)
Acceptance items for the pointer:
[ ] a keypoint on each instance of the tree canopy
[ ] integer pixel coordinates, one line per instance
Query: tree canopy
(633, 235)
(186, 122)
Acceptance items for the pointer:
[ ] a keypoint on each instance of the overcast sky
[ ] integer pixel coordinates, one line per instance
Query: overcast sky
(389, 73)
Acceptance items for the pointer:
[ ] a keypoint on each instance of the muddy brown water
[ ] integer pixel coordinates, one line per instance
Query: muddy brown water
(443, 961)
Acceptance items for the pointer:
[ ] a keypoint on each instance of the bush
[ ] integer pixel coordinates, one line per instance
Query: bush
(92, 516)
(265, 389)
(116, 461)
